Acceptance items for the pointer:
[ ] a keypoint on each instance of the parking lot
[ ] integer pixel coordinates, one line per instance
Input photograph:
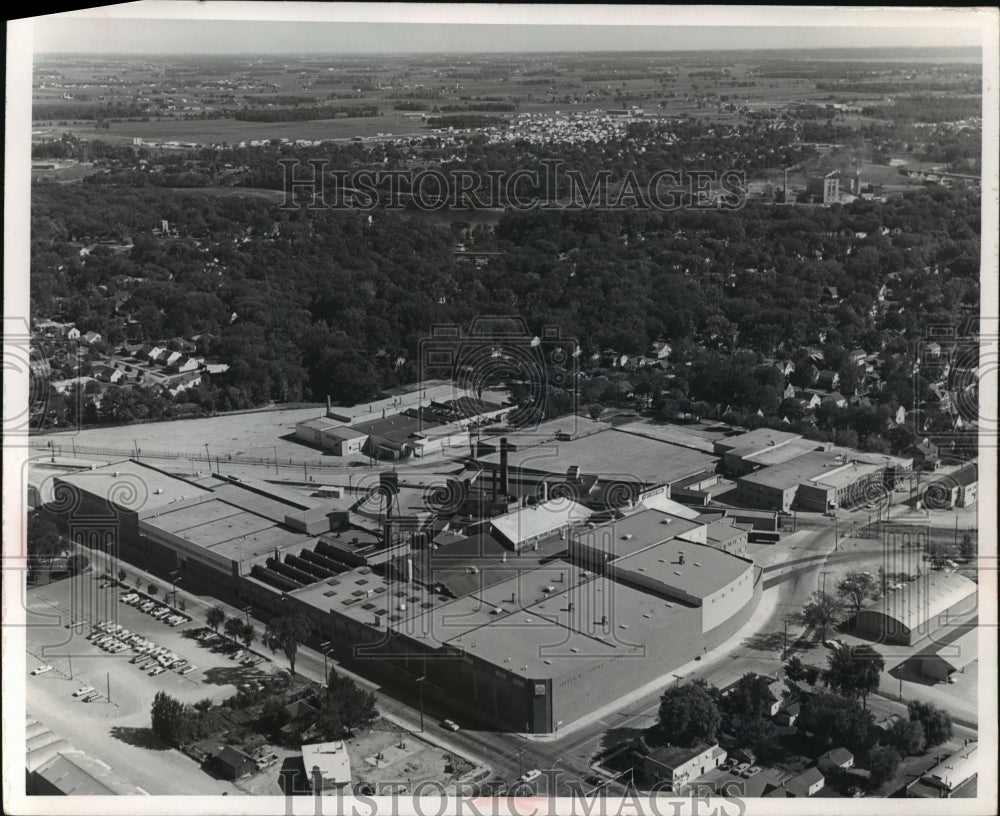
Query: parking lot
(114, 726)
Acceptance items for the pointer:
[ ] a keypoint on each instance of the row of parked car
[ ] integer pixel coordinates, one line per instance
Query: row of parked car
(114, 638)
(154, 609)
(206, 637)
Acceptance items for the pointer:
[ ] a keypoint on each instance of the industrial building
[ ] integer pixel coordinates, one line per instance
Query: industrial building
(586, 468)
(954, 776)
(514, 621)
(413, 423)
(55, 768)
(922, 608)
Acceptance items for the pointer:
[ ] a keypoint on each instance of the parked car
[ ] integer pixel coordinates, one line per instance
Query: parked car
(157, 670)
(83, 691)
(92, 697)
(41, 670)
(753, 770)
(451, 725)
(742, 768)
(531, 775)
(187, 669)
(832, 644)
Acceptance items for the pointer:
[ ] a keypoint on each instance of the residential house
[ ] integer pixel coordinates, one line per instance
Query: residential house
(172, 358)
(932, 349)
(808, 399)
(153, 354)
(786, 367)
(925, 453)
(73, 333)
(808, 783)
(810, 374)
(660, 350)
(789, 392)
(836, 398)
(837, 759)
(857, 356)
(827, 380)
(829, 294)
(899, 418)
(91, 337)
(185, 364)
(234, 763)
(788, 715)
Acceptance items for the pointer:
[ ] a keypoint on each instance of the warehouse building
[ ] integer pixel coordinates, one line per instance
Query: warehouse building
(817, 481)
(920, 609)
(606, 469)
(959, 489)
(942, 661)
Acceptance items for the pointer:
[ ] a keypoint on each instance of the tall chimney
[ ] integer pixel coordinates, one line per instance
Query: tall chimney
(504, 476)
(328, 405)
(494, 485)
(409, 570)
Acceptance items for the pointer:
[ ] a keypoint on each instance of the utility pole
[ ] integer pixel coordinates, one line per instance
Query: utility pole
(326, 670)
(824, 573)
(420, 689)
(70, 665)
(275, 460)
(784, 651)
(109, 686)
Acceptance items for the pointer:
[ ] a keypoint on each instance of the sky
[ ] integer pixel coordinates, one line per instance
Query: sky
(157, 28)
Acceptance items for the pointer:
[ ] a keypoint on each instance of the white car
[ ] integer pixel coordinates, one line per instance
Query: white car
(531, 775)
(41, 670)
(187, 670)
(156, 671)
(832, 644)
(451, 725)
(83, 691)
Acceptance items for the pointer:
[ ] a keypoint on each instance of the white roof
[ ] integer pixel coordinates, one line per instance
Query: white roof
(331, 759)
(539, 520)
(957, 768)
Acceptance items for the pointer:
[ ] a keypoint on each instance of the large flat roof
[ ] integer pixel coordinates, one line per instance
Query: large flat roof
(705, 570)
(793, 472)
(614, 455)
(545, 634)
(847, 474)
(628, 535)
(133, 486)
(758, 438)
(776, 454)
(362, 595)
(227, 530)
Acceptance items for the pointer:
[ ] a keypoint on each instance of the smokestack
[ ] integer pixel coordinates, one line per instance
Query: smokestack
(388, 534)
(329, 407)
(494, 485)
(504, 475)
(409, 570)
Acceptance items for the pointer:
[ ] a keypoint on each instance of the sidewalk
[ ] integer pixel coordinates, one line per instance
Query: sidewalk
(765, 608)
